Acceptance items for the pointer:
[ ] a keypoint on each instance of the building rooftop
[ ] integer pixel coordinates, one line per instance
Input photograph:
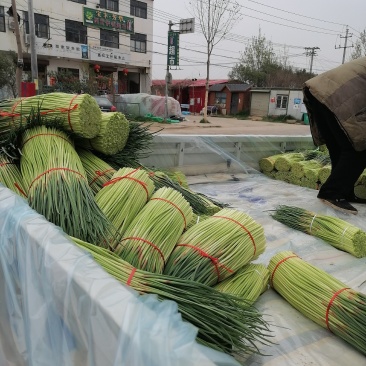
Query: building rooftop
(233, 87)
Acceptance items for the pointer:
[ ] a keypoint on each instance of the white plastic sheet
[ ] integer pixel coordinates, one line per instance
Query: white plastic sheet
(298, 340)
(59, 308)
(141, 104)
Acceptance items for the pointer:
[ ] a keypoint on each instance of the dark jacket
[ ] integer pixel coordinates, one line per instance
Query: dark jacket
(343, 91)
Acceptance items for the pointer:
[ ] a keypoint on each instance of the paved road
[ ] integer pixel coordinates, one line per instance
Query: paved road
(230, 126)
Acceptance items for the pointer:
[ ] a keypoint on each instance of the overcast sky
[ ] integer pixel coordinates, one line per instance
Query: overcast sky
(290, 25)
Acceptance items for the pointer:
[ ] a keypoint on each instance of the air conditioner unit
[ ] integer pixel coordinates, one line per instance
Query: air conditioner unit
(11, 24)
(27, 39)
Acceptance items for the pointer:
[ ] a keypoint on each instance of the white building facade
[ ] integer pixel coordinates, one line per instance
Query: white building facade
(110, 37)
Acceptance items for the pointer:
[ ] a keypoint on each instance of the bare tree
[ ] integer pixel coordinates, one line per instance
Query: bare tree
(216, 19)
(360, 46)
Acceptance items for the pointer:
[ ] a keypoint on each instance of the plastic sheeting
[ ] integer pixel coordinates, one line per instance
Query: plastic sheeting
(237, 153)
(59, 308)
(298, 340)
(142, 104)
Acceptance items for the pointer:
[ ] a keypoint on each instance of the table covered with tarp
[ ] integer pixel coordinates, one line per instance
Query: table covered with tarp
(296, 339)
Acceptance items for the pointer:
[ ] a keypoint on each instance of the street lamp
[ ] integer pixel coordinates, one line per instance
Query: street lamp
(194, 99)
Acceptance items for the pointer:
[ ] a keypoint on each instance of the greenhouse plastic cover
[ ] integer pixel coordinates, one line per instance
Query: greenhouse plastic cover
(59, 308)
(297, 340)
(141, 104)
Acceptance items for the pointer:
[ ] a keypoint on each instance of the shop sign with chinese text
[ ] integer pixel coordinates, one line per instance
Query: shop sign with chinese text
(98, 53)
(62, 49)
(173, 48)
(105, 20)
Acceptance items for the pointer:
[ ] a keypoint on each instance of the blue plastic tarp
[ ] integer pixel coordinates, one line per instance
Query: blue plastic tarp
(58, 307)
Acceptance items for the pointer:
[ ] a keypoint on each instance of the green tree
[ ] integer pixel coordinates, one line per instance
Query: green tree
(260, 66)
(8, 66)
(67, 82)
(256, 63)
(360, 46)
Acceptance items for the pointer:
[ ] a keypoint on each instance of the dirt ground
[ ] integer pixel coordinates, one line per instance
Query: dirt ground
(230, 126)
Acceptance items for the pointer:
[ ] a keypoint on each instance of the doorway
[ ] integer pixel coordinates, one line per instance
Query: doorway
(234, 103)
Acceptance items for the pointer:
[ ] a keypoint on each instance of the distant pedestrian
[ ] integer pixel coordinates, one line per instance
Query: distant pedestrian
(336, 104)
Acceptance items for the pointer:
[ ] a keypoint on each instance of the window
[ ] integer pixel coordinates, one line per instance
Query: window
(68, 72)
(2, 19)
(281, 101)
(138, 42)
(109, 38)
(41, 25)
(138, 9)
(75, 32)
(220, 98)
(109, 5)
(79, 1)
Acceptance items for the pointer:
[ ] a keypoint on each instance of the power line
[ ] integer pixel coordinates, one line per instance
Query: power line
(300, 15)
(292, 21)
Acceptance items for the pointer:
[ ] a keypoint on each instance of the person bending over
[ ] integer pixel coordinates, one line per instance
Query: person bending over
(336, 105)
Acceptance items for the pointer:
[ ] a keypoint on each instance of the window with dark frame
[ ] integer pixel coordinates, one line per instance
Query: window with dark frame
(69, 72)
(138, 42)
(76, 32)
(79, 1)
(138, 9)
(281, 101)
(41, 24)
(2, 19)
(109, 5)
(109, 38)
(67, 76)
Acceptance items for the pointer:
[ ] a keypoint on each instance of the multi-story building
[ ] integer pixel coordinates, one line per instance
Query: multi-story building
(112, 37)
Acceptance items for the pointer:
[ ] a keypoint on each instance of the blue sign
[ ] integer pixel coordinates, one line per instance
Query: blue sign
(84, 51)
(297, 100)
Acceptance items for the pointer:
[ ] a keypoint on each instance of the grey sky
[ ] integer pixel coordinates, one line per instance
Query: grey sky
(320, 25)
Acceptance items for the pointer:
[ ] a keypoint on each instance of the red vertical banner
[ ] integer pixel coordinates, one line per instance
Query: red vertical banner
(28, 89)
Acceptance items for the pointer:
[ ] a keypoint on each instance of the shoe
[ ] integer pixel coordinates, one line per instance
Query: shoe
(355, 199)
(340, 205)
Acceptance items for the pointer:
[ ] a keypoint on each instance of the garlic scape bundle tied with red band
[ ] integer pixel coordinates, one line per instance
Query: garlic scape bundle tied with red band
(57, 186)
(97, 170)
(154, 232)
(217, 247)
(223, 322)
(79, 113)
(112, 136)
(124, 196)
(335, 231)
(320, 297)
(10, 175)
(248, 283)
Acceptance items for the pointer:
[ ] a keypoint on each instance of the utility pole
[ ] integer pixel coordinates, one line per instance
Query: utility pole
(185, 26)
(167, 77)
(20, 63)
(311, 51)
(348, 35)
(194, 98)
(32, 34)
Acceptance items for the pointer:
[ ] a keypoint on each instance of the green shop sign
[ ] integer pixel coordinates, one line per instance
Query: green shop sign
(105, 20)
(173, 48)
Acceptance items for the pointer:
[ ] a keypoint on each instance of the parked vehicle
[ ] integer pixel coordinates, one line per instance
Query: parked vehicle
(211, 110)
(104, 103)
